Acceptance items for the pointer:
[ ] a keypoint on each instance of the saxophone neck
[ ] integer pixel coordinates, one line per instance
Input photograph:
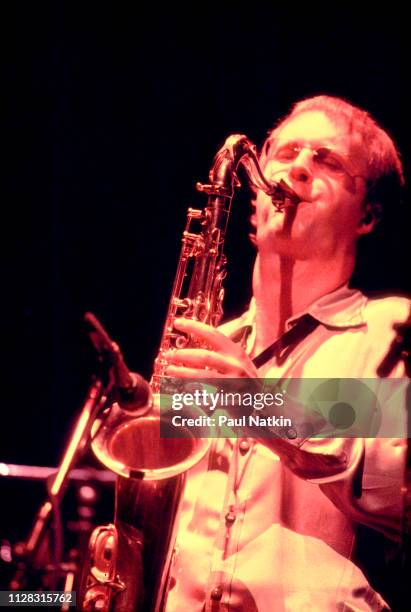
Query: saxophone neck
(237, 151)
(223, 172)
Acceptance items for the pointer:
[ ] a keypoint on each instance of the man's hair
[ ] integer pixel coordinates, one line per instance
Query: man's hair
(384, 168)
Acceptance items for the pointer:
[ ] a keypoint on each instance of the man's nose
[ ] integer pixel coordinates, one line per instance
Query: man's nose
(301, 167)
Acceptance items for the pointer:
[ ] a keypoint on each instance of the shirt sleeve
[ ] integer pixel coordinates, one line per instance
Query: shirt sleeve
(362, 477)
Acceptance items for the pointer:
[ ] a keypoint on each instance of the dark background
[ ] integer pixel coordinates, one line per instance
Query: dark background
(113, 114)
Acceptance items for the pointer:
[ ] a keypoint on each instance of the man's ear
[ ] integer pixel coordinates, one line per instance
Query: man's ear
(371, 216)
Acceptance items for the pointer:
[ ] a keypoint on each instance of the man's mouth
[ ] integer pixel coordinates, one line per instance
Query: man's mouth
(302, 197)
(293, 197)
(304, 201)
(283, 196)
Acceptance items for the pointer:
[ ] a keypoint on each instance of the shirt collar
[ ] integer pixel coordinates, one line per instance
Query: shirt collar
(342, 308)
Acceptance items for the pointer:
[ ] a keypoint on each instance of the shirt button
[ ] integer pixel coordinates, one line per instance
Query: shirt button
(217, 593)
(244, 447)
(230, 517)
(291, 433)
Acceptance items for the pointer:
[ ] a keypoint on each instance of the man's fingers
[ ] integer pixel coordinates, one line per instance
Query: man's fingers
(201, 358)
(213, 338)
(222, 355)
(175, 371)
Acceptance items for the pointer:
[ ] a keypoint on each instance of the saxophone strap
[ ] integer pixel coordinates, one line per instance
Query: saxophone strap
(303, 327)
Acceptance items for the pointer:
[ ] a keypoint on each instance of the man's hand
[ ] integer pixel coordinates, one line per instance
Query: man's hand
(222, 358)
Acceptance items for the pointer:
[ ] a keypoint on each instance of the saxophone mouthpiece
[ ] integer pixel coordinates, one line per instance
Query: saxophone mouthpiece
(282, 196)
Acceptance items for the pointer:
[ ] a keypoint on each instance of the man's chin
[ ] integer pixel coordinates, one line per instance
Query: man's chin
(281, 244)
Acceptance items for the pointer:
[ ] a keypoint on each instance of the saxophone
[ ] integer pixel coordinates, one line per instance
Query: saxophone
(127, 564)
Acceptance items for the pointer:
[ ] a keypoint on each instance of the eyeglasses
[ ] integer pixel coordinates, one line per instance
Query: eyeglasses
(324, 158)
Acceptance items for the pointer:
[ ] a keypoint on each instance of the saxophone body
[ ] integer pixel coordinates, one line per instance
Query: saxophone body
(128, 562)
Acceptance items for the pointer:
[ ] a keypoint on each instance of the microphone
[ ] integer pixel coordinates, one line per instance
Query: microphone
(131, 391)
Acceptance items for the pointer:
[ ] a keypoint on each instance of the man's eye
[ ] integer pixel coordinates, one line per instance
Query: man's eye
(329, 161)
(285, 154)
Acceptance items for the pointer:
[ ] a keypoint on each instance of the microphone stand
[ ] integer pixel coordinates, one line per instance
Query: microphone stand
(39, 472)
(114, 381)
(95, 401)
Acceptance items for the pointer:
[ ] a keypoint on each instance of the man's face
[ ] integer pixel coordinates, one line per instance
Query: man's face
(315, 158)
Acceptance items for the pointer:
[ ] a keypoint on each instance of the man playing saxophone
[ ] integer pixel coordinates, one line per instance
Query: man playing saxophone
(272, 524)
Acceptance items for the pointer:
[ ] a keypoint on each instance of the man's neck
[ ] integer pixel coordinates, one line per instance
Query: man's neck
(284, 287)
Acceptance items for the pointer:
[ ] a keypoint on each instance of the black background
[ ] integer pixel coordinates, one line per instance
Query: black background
(113, 113)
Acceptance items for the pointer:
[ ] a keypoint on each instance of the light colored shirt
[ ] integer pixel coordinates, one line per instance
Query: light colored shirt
(265, 531)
